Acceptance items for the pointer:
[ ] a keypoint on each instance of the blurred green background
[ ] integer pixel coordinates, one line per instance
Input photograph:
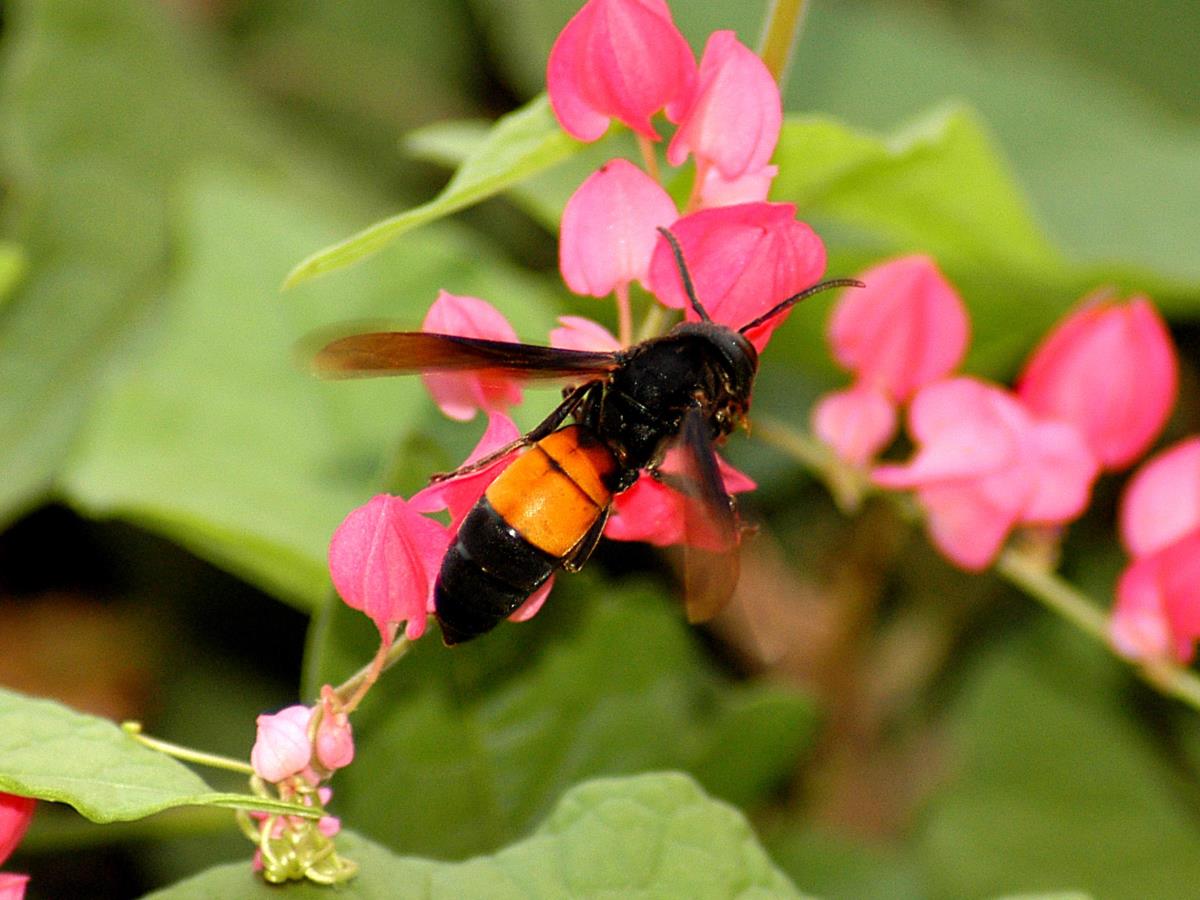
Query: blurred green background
(171, 474)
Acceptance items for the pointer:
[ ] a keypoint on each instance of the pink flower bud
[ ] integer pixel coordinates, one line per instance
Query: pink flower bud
(618, 59)
(857, 423)
(12, 886)
(609, 228)
(458, 495)
(578, 333)
(335, 739)
(282, 747)
(743, 260)
(15, 815)
(1162, 501)
(1157, 614)
(460, 394)
(1108, 368)
(383, 560)
(733, 121)
(984, 465)
(329, 825)
(654, 513)
(906, 329)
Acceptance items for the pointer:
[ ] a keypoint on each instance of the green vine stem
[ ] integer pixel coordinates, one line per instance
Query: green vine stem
(187, 754)
(1025, 572)
(780, 32)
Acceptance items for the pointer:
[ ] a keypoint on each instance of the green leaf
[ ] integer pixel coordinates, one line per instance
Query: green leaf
(650, 836)
(90, 146)
(216, 436)
(54, 753)
(520, 144)
(1057, 786)
(474, 743)
(13, 266)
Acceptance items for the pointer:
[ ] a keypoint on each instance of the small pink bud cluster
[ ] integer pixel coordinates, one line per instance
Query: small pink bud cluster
(296, 750)
(1094, 395)
(623, 60)
(15, 815)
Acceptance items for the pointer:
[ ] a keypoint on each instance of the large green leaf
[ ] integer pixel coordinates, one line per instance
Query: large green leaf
(216, 435)
(460, 750)
(54, 753)
(1056, 787)
(650, 836)
(520, 144)
(91, 145)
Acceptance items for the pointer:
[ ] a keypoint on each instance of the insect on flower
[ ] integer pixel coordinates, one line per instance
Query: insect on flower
(547, 509)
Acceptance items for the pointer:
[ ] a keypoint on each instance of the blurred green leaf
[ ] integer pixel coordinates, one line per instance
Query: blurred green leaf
(1056, 785)
(650, 836)
(475, 743)
(13, 266)
(216, 436)
(54, 753)
(91, 145)
(520, 144)
(837, 868)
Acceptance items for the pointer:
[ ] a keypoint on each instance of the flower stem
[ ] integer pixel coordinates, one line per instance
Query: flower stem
(1022, 570)
(352, 691)
(780, 32)
(649, 156)
(624, 315)
(187, 754)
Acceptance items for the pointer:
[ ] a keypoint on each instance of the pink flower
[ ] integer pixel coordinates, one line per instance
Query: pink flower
(743, 260)
(906, 329)
(1157, 614)
(335, 738)
(12, 886)
(609, 228)
(282, 747)
(578, 333)
(15, 815)
(857, 422)
(619, 59)
(984, 465)
(1109, 368)
(458, 495)
(652, 512)
(460, 394)
(733, 121)
(383, 560)
(1162, 501)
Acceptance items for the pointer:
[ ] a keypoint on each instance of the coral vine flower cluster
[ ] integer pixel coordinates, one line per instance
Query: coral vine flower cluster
(620, 60)
(15, 815)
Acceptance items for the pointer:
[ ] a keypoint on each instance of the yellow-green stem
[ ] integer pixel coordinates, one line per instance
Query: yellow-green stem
(649, 155)
(352, 691)
(187, 754)
(780, 32)
(624, 315)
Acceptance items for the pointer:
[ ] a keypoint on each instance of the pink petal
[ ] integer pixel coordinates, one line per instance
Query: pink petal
(282, 747)
(857, 423)
(734, 119)
(383, 560)
(578, 333)
(1062, 469)
(1179, 577)
(621, 59)
(609, 228)
(905, 329)
(12, 886)
(1109, 368)
(1162, 501)
(752, 187)
(1139, 629)
(458, 495)
(965, 524)
(650, 511)
(743, 260)
(15, 815)
(533, 604)
(459, 395)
